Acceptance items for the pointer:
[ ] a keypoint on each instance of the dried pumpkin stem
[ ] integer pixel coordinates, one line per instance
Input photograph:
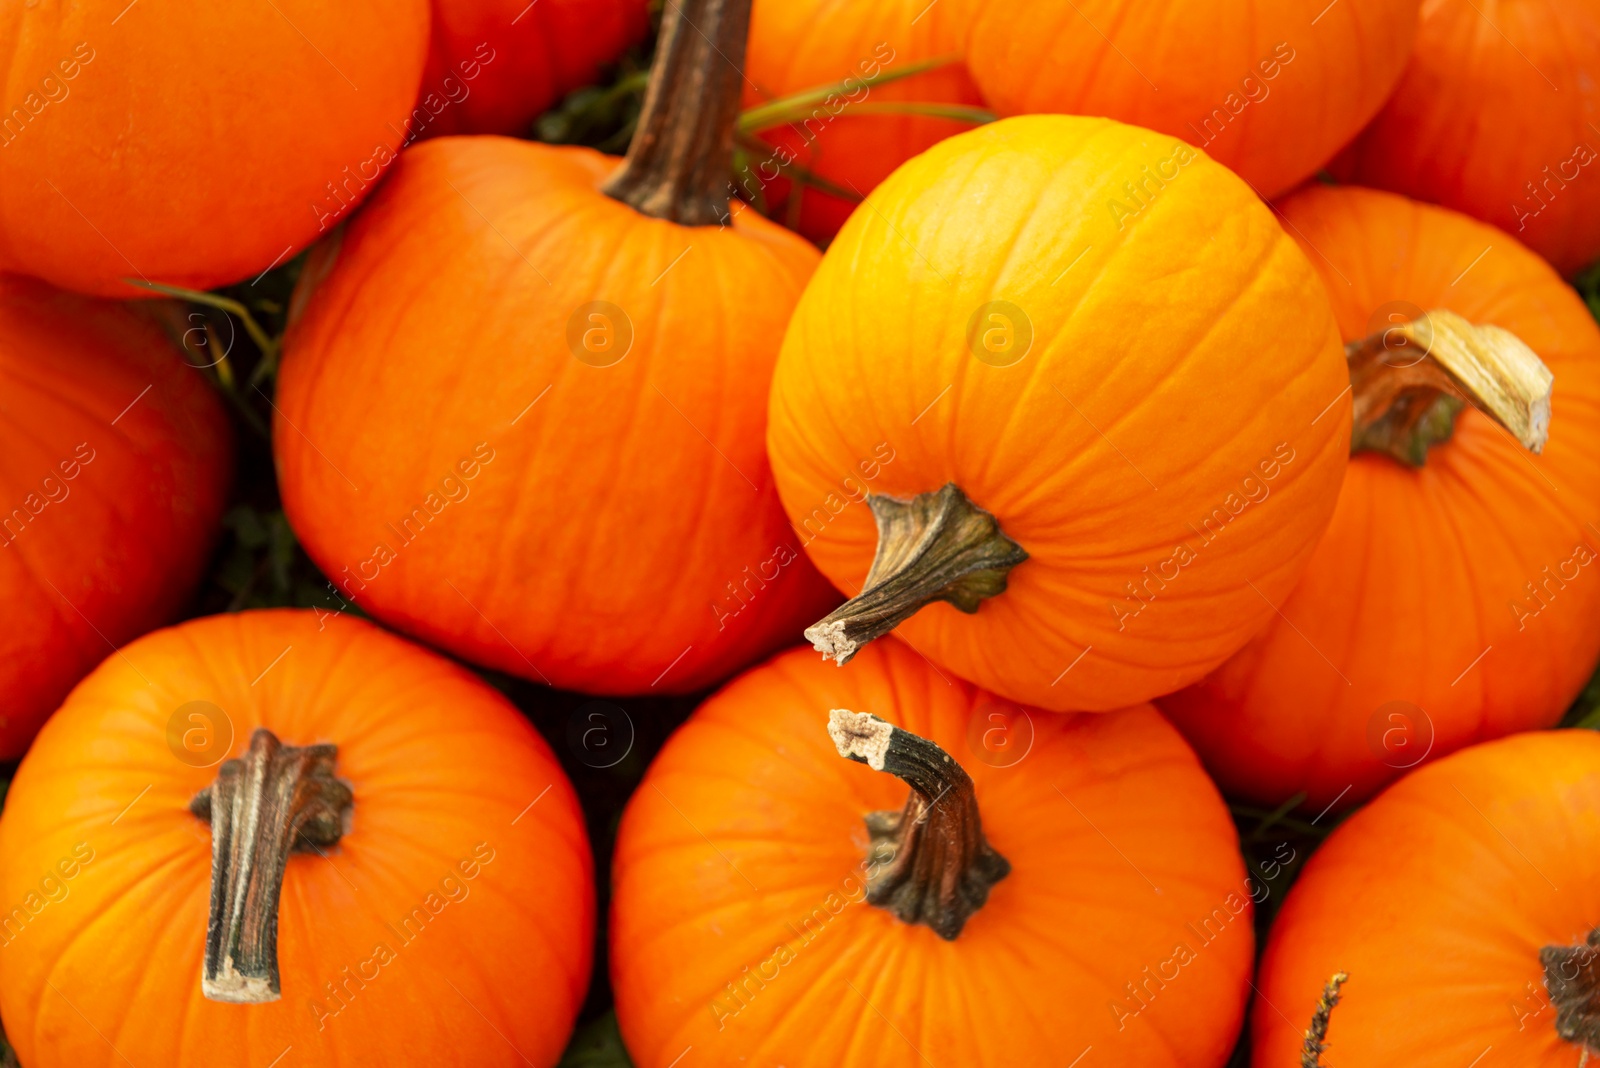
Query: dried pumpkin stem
(679, 161)
(272, 801)
(1572, 978)
(1410, 382)
(930, 862)
(935, 547)
(1316, 1042)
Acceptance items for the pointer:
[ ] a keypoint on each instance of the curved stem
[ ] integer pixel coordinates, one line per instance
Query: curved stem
(1572, 978)
(930, 861)
(678, 164)
(1409, 383)
(272, 801)
(1316, 1042)
(937, 546)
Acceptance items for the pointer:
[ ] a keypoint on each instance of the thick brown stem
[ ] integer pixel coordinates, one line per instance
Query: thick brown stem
(272, 801)
(935, 547)
(1572, 978)
(1409, 383)
(678, 163)
(929, 861)
(1316, 1042)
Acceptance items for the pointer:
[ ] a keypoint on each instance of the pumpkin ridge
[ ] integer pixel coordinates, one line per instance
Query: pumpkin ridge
(864, 958)
(66, 947)
(55, 388)
(1174, 371)
(1037, 380)
(1453, 521)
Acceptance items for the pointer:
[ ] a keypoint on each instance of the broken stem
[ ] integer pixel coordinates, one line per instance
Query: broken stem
(1410, 382)
(274, 800)
(937, 546)
(1572, 978)
(1316, 1042)
(930, 862)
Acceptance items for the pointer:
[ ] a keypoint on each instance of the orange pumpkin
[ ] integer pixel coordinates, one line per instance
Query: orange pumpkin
(1078, 885)
(1271, 91)
(522, 418)
(1448, 603)
(1460, 904)
(1122, 372)
(845, 138)
(193, 145)
(1496, 116)
(436, 908)
(115, 460)
(494, 65)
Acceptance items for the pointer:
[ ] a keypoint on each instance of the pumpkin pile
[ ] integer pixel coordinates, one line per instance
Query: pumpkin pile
(813, 533)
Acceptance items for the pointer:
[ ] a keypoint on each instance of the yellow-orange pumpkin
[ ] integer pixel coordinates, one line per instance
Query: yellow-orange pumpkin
(115, 460)
(448, 921)
(1448, 603)
(1088, 868)
(1109, 348)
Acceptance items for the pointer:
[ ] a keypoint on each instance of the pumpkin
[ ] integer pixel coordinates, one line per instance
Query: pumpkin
(846, 138)
(1270, 90)
(494, 65)
(193, 145)
(1450, 602)
(1496, 116)
(1114, 399)
(1459, 906)
(395, 871)
(1051, 883)
(522, 419)
(115, 460)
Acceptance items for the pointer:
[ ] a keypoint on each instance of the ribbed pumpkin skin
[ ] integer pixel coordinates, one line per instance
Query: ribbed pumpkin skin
(1283, 84)
(1484, 108)
(797, 46)
(495, 65)
(200, 143)
(1436, 899)
(749, 825)
(1409, 597)
(440, 765)
(1173, 353)
(90, 561)
(604, 546)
